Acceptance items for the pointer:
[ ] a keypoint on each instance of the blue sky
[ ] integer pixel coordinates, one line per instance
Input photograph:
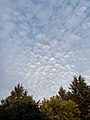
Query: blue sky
(43, 44)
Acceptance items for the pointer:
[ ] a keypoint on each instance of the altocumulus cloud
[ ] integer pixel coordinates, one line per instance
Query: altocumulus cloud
(43, 44)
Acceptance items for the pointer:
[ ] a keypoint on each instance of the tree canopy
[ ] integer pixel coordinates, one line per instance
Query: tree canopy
(73, 104)
(80, 93)
(56, 109)
(19, 106)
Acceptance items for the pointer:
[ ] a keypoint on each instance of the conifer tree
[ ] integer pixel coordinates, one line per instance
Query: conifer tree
(19, 106)
(80, 93)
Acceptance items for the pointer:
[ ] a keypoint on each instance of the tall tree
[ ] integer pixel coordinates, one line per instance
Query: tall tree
(80, 93)
(19, 106)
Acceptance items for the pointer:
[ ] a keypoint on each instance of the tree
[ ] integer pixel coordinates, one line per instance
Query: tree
(56, 109)
(79, 93)
(62, 94)
(19, 106)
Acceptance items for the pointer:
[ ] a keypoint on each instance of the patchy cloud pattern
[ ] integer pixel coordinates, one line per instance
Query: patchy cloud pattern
(43, 43)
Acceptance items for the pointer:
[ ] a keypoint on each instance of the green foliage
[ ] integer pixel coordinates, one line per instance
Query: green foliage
(56, 109)
(19, 106)
(79, 93)
(73, 104)
(62, 94)
(87, 117)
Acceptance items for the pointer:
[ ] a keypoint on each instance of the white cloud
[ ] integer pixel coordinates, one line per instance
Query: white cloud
(43, 44)
(44, 48)
(82, 9)
(41, 36)
(51, 61)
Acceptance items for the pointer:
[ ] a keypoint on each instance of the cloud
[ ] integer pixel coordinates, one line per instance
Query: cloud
(43, 44)
(51, 61)
(41, 36)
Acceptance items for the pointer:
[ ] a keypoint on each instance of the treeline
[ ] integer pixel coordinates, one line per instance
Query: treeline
(73, 104)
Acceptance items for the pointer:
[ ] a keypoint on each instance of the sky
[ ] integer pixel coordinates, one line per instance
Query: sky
(43, 44)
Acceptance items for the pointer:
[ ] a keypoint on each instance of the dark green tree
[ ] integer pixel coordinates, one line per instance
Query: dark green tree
(19, 106)
(80, 93)
(62, 94)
